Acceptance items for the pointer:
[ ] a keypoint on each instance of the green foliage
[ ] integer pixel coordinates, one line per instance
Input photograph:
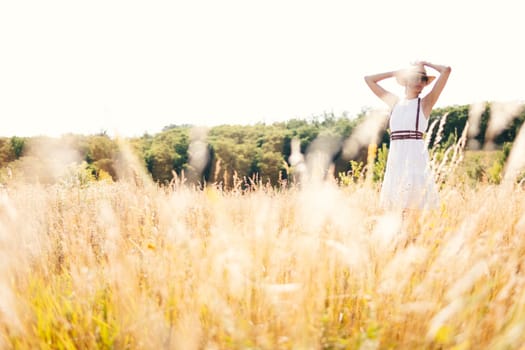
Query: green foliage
(476, 170)
(495, 172)
(79, 175)
(354, 175)
(235, 150)
(63, 321)
(457, 117)
(484, 166)
(167, 153)
(100, 154)
(270, 161)
(509, 133)
(17, 146)
(380, 163)
(100, 147)
(259, 150)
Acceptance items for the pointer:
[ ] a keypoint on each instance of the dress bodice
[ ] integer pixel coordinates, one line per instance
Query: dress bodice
(404, 114)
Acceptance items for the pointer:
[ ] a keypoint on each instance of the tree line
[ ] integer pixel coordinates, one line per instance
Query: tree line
(260, 151)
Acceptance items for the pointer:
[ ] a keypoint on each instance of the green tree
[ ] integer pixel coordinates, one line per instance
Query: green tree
(100, 152)
(17, 146)
(270, 159)
(168, 152)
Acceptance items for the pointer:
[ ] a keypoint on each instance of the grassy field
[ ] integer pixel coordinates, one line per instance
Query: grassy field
(131, 265)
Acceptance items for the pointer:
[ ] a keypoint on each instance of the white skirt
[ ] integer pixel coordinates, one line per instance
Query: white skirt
(409, 182)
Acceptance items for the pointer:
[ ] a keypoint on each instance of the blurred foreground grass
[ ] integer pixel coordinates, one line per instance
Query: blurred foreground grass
(136, 266)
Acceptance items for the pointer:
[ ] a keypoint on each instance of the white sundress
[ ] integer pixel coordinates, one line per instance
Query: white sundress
(408, 182)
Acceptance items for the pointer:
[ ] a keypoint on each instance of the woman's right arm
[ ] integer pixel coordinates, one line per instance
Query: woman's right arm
(373, 83)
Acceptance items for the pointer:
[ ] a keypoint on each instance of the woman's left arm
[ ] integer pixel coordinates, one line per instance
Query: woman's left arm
(431, 98)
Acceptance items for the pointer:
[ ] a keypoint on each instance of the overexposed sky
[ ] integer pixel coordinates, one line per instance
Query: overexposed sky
(128, 67)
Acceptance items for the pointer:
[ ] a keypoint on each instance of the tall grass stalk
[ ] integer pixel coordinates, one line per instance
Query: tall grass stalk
(130, 265)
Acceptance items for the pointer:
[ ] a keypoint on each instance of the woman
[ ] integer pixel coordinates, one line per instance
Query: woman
(408, 182)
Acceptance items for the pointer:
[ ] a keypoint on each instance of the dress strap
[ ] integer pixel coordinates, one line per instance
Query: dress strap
(417, 113)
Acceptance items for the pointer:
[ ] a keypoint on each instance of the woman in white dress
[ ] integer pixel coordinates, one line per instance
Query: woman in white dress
(408, 182)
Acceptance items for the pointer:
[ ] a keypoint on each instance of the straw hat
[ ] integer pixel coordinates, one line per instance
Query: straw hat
(403, 75)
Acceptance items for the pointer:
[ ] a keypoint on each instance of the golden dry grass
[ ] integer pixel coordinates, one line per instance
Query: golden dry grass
(137, 266)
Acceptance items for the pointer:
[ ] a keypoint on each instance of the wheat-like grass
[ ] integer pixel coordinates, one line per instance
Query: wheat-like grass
(133, 265)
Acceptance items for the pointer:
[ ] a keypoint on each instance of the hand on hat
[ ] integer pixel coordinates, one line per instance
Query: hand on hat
(441, 69)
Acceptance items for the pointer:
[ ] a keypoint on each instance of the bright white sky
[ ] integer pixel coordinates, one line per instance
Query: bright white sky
(128, 67)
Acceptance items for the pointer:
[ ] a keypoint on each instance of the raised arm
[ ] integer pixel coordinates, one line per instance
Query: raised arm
(373, 83)
(431, 98)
